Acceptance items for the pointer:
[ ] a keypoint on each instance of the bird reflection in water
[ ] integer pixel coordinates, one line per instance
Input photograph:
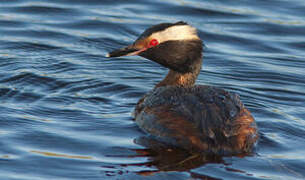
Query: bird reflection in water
(163, 158)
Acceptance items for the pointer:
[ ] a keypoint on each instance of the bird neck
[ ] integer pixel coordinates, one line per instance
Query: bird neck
(174, 78)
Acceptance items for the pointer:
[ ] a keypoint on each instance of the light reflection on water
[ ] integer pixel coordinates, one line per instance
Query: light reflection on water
(66, 110)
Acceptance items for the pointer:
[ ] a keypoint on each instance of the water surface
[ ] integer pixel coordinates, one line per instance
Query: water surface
(65, 110)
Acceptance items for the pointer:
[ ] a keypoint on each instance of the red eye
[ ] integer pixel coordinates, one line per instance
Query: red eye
(153, 42)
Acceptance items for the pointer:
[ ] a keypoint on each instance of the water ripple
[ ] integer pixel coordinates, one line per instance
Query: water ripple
(66, 108)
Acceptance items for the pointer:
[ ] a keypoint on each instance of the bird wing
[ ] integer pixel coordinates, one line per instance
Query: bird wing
(200, 117)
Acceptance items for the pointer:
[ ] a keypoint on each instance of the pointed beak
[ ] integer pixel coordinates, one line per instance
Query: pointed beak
(130, 50)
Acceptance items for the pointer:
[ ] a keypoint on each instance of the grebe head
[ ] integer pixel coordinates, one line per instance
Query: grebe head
(173, 45)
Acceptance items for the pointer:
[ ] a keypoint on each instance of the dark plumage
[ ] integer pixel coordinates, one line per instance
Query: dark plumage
(164, 54)
(176, 112)
(198, 118)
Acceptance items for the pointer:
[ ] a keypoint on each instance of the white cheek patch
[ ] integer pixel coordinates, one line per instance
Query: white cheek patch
(179, 32)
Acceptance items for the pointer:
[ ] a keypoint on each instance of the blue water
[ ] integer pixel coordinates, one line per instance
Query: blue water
(65, 109)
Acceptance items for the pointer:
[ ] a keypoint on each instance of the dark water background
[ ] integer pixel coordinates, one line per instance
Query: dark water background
(65, 109)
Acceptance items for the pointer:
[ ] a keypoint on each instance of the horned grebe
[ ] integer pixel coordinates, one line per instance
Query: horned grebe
(196, 118)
